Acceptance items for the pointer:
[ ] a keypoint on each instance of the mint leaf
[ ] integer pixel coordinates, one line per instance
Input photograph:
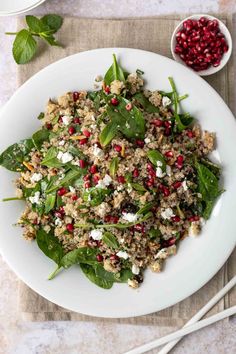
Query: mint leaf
(54, 22)
(24, 47)
(50, 39)
(35, 24)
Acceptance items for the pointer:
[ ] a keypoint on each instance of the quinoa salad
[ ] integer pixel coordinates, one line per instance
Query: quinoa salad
(114, 179)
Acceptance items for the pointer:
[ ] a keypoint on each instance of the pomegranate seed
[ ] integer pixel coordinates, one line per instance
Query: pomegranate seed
(150, 183)
(83, 141)
(121, 179)
(167, 124)
(114, 219)
(128, 107)
(58, 214)
(140, 143)
(96, 178)
(74, 197)
(93, 169)
(71, 130)
(135, 172)
(139, 228)
(82, 163)
(114, 101)
(152, 173)
(149, 166)
(193, 218)
(171, 241)
(70, 227)
(190, 134)
(177, 184)
(99, 257)
(179, 161)
(175, 218)
(158, 122)
(86, 177)
(166, 191)
(114, 257)
(49, 126)
(87, 184)
(107, 89)
(167, 132)
(107, 218)
(75, 96)
(35, 221)
(117, 148)
(60, 119)
(76, 120)
(86, 133)
(169, 154)
(62, 191)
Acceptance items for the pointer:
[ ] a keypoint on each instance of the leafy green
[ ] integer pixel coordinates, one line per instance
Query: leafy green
(54, 22)
(145, 208)
(214, 168)
(123, 275)
(108, 133)
(84, 255)
(145, 103)
(35, 24)
(50, 159)
(126, 225)
(91, 273)
(67, 180)
(208, 184)
(40, 137)
(155, 156)
(154, 233)
(76, 152)
(49, 245)
(115, 72)
(110, 240)
(13, 157)
(40, 116)
(138, 187)
(50, 202)
(113, 166)
(95, 196)
(24, 47)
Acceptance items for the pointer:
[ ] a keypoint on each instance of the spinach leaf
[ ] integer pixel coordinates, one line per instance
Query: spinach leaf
(207, 209)
(90, 272)
(154, 233)
(208, 184)
(83, 255)
(50, 202)
(155, 156)
(108, 133)
(138, 187)
(50, 159)
(76, 152)
(40, 116)
(145, 103)
(115, 72)
(95, 196)
(110, 240)
(113, 166)
(123, 275)
(214, 168)
(39, 137)
(97, 97)
(68, 179)
(49, 245)
(145, 208)
(13, 157)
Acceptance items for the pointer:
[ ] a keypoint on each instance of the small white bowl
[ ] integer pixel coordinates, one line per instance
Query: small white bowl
(211, 70)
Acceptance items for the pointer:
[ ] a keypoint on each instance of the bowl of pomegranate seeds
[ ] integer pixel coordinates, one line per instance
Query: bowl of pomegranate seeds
(203, 43)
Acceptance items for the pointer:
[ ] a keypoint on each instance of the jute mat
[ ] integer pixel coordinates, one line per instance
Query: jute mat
(152, 34)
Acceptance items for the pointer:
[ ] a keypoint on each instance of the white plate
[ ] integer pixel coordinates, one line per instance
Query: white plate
(197, 260)
(15, 7)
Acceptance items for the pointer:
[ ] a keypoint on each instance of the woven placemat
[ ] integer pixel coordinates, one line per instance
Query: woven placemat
(152, 34)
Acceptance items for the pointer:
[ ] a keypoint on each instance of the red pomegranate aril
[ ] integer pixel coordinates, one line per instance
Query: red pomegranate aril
(83, 141)
(149, 166)
(128, 107)
(225, 48)
(178, 49)
(179, 161)
(107, 89)
(99, 257)
(121, 179)
(166, 191)
(175, 218)
(177, 184)
(62, 191)
(48, 126)
(216, 63)
(117, 148)
(135, 173)
(139, 228)
(169, 153)
(70, 227)
(167, 131)
(114, 219)
(75, 96)
(194, 218)
(183, 36)
(190, 134)
(114, 101)
(86, 177)
(93, 169)
(158, 122)
(96, 178)
(107, 218)
(76, 120)
(114, 257)
(86, 133)
(87, 184)
(71, 130)
(140, 143)
(150, 183)
(74, 197)
(58, 214)
(152, 174)
(60, 119)
(167, 124)
(82, 163)
(171, 241)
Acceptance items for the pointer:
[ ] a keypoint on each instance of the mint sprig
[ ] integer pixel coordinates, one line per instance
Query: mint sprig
(25, 45)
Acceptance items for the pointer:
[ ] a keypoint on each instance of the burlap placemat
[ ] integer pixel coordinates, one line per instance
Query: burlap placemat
(151, 34)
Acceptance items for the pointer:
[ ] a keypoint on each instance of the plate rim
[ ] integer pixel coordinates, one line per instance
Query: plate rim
(23, 10)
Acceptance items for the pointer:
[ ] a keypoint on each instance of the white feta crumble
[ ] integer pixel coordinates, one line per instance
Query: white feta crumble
(93, 126)
(36, 177)
(64, 157)
(96, 235)
(122, 240)
(184, 185)
(120, 188)
(72, 189)
(159, 163)
(166, 101)
(103, 183)
(58, 222)
(61, 143)
(97, 151)
(123, 254)
(135, 269)
(159, 172)
(168, 170)
(35, 199)
(147, 140)
(130, 217)
(167, 214)
(66, 120)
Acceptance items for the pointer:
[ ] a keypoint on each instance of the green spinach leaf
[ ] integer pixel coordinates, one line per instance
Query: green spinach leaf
(90, 272)
(50, 202)
(40, 137)
(115, 72)
(110, 240)
(83, 255)
(50, 159)
(12, 158)
(49, 245)
(113, 166)
(208, 184)
(155, 156)
(95, 196)
(108, 133)
(70, 176)
(145, 103)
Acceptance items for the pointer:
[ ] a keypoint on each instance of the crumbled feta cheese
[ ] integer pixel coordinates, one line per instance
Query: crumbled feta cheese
(93, 126)
(120, 188)
(72, 189)
(64, 157)
(61, 143)
(159, 163)
(167, 214)
(96, 235)
(135, 269)
(166, 101)
(147, 140)
(130, 217)
(97, 151)
(184, 185)
(35, 198)
(122, 240)
(123, 254)
(36, 177)
(168, 170)
(103, 183)
(159, 172)
(66, 120)
(58, 222)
